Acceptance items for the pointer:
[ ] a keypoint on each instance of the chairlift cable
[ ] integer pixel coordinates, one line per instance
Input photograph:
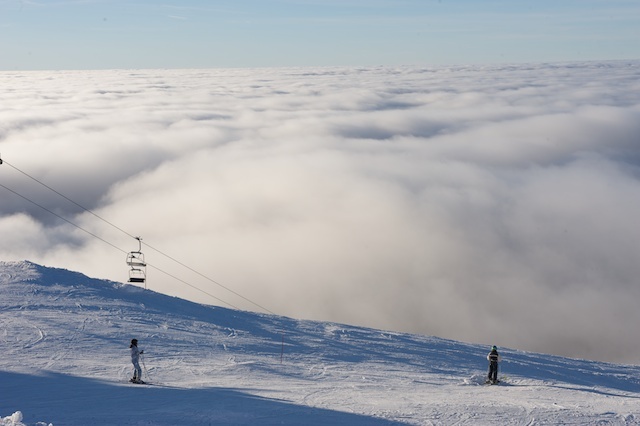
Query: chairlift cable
(128, 234)
(67, 198)
(60, 217)
(114, 246)
(192, 286)
(213, 281)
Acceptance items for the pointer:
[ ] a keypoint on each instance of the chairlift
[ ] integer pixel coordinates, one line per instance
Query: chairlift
(137, 275)
(135, 260)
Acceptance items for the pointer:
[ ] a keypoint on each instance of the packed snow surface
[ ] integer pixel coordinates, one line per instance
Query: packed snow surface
(64, 340)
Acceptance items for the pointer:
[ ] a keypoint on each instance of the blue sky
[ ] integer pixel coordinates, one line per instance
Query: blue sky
(99, 34)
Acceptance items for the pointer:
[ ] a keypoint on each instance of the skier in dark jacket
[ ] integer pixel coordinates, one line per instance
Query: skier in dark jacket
(494, 359)
(135, 357)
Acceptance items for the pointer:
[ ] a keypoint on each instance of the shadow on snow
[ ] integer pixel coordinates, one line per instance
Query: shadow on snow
(61, 399)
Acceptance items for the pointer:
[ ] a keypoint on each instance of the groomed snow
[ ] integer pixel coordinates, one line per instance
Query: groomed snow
(64, 341)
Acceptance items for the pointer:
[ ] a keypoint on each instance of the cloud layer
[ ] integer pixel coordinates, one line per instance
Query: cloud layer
(488, 204)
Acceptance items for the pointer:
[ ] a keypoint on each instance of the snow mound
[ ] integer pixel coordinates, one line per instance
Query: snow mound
(476, 379)
(13, 420)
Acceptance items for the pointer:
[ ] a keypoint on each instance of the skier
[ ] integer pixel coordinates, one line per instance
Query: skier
(135, 357)
(494, 359)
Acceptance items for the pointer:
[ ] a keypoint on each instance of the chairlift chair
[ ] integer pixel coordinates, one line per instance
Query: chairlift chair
(137, 275)
(135, 260)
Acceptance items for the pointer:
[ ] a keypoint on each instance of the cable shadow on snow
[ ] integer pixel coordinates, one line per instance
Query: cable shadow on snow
(573, 373)
(61, 399)
(595, 391)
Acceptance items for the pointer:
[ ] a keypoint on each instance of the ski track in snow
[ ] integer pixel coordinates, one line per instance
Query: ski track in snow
(64, 339)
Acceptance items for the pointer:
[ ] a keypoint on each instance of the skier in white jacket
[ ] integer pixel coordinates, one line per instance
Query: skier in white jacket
(135, 357)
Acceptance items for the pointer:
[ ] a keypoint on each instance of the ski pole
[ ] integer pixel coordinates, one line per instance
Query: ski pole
(145, 367)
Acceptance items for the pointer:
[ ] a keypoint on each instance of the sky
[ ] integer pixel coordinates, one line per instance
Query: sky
(108, 34)
(494, 204)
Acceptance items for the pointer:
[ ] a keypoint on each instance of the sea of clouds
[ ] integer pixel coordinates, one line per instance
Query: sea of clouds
(491, 204)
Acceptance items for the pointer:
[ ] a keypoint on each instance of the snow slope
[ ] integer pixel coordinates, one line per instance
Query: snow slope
(64, 342)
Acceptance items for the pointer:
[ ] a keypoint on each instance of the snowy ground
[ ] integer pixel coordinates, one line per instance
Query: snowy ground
(65, 361)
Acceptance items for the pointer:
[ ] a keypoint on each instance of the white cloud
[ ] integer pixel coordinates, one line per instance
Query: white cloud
(490, 204)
